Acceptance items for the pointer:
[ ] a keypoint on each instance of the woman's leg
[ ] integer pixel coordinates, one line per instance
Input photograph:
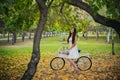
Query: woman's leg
(72, 63)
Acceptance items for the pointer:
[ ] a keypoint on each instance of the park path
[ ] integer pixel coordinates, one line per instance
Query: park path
(5, 39)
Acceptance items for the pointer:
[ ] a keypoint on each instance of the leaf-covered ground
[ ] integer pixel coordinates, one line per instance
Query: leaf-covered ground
(105, 67)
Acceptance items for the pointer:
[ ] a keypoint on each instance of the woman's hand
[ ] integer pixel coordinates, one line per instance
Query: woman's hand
(69, 48)
(64, 43)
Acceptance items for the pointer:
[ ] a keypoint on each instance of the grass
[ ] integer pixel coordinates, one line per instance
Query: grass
(52, 44)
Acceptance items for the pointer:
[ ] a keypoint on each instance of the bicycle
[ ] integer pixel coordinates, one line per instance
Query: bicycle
(83, 63)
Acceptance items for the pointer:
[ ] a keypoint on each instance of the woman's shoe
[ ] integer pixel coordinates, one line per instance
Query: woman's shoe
(77, 70)
(72, 70)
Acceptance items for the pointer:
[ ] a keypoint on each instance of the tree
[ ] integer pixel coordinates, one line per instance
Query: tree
(15, 17)
(43, 7)
(108, 22)
(113, 53)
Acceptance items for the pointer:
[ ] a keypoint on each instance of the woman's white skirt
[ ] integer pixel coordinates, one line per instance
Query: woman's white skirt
(73, 53)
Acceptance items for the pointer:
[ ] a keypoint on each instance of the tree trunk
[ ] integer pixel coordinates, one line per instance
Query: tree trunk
(113, 53)
(108, 36)
(117, 36)
(30, 35)
(52, 34)
(83, 35)
(47, 34)
(29, 73)
(97, 35)
(13, 38)
(8, 37)
(3, 34)
(23, 36)
(86, 35)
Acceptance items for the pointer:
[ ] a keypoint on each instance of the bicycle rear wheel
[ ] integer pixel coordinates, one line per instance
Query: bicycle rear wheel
(84, 63)
(57, 63)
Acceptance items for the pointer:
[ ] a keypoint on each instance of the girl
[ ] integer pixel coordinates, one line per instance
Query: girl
(73, 51)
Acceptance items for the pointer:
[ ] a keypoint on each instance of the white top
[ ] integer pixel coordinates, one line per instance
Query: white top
(73, 53)
(70, 41)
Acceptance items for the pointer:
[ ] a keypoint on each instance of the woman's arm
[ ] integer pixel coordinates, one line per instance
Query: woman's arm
(73, 45)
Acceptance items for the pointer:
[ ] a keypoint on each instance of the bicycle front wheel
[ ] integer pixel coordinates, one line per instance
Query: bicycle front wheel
(57, 63)
(84, 63)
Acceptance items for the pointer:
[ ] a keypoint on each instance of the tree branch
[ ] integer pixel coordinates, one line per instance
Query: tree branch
(62, 6)
(50, 3)
(61, 11)
(97, 17)
(41, 3)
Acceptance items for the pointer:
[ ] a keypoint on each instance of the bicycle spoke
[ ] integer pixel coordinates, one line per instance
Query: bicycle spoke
(57, 63)
(84, 63)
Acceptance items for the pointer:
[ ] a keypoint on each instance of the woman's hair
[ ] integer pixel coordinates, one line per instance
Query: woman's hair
(73, 37)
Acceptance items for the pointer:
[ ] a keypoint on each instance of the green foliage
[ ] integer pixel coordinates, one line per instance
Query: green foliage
(23, 15)
(112, 8)
(19, 15)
